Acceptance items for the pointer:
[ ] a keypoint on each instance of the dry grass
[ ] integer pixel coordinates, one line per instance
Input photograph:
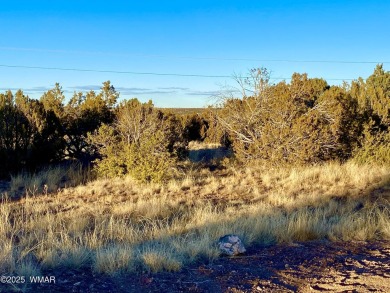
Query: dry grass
(197, 145)
(120, 225)
(35, 183)
(48, 180)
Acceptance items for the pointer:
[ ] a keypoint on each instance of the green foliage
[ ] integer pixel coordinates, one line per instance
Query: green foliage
(84, 114)
(111, 161)
(305, 121)
(373, 97)
(374, 149)
(38, 132)
(143, 143)
(215, 132)
(15, 133)
(29, 135)
(150, 161)
(377, 95)
(53, 100)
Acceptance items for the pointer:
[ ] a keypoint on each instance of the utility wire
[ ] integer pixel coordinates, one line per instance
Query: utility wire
(142, 73)
(113, 71)
(191, 57)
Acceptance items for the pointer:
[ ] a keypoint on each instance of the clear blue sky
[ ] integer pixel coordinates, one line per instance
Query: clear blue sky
(185, 37)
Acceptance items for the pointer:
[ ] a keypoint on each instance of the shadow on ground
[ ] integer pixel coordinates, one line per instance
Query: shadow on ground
(207, 155)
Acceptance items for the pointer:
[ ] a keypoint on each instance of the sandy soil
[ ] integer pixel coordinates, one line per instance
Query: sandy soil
(316, 266)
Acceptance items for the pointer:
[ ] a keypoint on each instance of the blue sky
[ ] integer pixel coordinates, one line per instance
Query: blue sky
(217, 38)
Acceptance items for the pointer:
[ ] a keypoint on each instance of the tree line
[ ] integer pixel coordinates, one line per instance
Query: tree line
(304, 121)
(308, 121)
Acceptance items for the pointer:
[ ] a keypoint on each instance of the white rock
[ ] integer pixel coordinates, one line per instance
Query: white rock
(231, 245)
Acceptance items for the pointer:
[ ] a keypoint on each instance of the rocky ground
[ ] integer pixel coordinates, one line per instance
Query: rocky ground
(316, 266)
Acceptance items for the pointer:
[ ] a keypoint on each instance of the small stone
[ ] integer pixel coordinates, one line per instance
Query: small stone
(231, 245)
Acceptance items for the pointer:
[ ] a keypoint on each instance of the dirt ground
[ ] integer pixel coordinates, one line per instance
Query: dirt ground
(316, 266)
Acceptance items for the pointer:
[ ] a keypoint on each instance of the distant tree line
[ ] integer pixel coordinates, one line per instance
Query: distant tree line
(304, 121)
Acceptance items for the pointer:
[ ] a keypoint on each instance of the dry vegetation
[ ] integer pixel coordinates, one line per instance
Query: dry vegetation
(119, 225)
(151, 210)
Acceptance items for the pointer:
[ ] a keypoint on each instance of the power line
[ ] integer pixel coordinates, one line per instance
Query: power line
(142, 73)
(114, 71)
(192, 57)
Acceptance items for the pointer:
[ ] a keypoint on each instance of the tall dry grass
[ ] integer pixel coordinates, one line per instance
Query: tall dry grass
(119, 225)
(48, 180)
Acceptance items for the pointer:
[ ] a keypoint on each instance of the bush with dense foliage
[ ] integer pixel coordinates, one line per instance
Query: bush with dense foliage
(306, 120)
(373, 96)
(143, 142)
(29, 135)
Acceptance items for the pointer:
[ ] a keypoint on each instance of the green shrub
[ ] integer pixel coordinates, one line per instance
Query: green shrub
(305, 121)
(150, 160)
(147, 160)
(373, 97)
(144, 143)
(375, 148)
